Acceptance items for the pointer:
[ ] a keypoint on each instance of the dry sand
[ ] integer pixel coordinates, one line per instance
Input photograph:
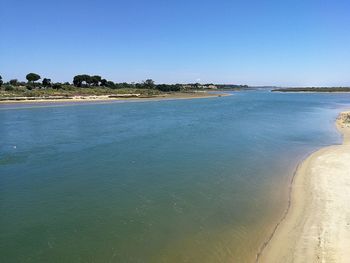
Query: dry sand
(317, 225)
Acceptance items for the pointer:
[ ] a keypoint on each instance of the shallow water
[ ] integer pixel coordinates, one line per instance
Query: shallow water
(199, 180)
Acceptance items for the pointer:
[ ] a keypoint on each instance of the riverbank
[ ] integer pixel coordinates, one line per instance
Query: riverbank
(317, 225)
(112, 97)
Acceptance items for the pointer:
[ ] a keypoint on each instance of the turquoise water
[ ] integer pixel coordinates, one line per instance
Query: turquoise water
(172, 181)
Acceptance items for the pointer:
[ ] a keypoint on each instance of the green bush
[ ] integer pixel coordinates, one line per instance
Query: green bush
(9, 88)
(57, 86)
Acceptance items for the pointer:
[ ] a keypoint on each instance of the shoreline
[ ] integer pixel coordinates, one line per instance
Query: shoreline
(110, 98)
(312, 92)
(314, 227)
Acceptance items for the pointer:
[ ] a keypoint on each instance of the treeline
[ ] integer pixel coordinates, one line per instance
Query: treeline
(87, 81)
(35, 81)
(97, 81)
(32, 83)
(231, 86)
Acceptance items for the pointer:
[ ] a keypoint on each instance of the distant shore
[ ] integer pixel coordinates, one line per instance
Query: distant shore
(316, 227)
(314, 90)
(111, 97)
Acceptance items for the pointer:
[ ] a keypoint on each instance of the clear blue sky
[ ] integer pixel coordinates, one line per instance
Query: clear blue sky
(258, 42)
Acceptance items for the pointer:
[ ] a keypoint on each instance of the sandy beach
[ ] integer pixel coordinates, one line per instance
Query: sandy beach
(316, 227)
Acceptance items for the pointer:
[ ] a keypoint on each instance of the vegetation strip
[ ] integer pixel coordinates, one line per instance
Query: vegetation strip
(85, 85)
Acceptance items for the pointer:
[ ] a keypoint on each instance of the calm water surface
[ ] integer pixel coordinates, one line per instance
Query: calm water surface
(173, 181)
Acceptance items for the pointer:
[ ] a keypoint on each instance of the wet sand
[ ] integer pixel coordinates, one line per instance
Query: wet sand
(316, 227)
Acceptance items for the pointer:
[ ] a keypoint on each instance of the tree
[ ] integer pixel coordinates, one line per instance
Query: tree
(1, 81)
(32, 77)
(166, 87)
(103, 82)
(46, 82)
(95, 80)
(13, 82)
(110, 84)
(87, 79)
(149, 84)
(78, 80)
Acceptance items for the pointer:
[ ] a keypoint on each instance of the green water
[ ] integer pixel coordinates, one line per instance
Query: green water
(171, 181)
